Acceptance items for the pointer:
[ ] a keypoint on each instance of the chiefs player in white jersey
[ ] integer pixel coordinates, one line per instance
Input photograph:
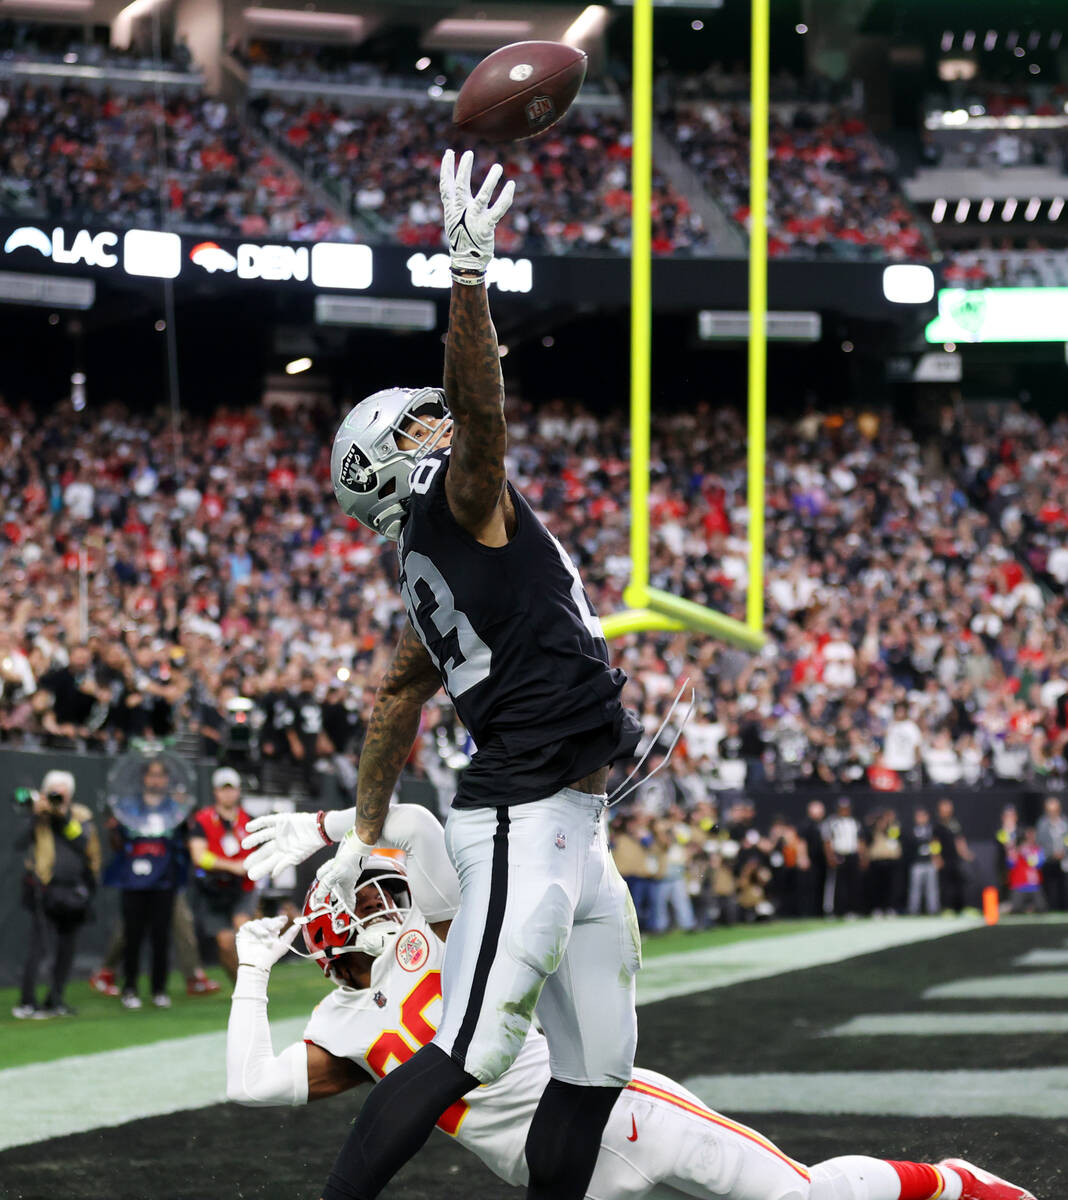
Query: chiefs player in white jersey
(383, 947)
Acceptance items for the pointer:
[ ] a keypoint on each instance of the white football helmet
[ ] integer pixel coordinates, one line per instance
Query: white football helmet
(331, 927)
(369, 473)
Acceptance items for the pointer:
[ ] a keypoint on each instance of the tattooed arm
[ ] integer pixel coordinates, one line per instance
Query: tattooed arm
(411, 680)
(474, 391)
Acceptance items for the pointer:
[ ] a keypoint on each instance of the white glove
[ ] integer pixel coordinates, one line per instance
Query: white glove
(342, 871)
(280, 840)
(262, 943)
(470, 221)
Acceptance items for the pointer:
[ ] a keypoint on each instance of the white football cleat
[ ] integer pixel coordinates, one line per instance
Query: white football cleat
(981, 1185)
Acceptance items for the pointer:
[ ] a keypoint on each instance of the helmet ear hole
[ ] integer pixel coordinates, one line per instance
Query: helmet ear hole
(387, 488)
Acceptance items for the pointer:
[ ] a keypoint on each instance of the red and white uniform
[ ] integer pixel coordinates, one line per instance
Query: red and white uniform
(661, 1141)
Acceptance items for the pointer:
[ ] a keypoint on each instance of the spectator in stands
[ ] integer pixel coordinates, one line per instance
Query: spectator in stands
(69, 699)
(921, 860)
(224, 898)
(954, 853)
(902, 745)
(1051, 834)
(61, 868)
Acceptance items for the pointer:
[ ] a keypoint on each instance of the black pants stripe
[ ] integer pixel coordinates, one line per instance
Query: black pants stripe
(487, 951)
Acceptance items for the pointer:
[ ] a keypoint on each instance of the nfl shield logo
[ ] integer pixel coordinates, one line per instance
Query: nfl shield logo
(380, 1000)
(539, 111)
(561, 841)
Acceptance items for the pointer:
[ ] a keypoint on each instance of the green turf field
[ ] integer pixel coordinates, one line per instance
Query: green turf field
(954, 1045)
(296, 986)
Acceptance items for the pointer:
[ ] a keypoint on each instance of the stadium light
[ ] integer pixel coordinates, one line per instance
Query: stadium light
(938, 212)
(968, 41)
(947, 41)
(589, 23)
(964, 206)
(1008, 209)
(991, 39)
(1056, 207)
(1031, 211)
(298, 366)
(908, 283)
(985, 209)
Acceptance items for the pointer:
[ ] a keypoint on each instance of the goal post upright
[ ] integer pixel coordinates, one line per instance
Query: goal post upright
(641, 256)
(758, 308)
(651, 608)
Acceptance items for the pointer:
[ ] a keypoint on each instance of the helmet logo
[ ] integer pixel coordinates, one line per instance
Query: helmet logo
(356, 473)
(412, 950)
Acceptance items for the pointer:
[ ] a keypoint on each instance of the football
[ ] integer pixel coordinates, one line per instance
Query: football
(519, 91)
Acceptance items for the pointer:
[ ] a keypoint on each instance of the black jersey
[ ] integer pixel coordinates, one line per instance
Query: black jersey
(518, 645)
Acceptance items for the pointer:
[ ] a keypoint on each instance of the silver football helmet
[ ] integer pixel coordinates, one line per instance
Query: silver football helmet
(369, 473)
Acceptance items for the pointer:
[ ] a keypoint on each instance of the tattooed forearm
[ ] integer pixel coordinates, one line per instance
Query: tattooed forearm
(410, 681)
(390, 736)
(474, 389)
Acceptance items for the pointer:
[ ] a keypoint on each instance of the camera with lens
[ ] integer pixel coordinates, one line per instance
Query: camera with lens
(23, 797)
(26, 797)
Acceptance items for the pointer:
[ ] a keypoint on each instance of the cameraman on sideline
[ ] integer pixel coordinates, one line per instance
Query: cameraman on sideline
(62, 863)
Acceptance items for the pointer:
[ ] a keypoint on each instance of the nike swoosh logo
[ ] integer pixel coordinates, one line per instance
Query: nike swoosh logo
(633, 1136)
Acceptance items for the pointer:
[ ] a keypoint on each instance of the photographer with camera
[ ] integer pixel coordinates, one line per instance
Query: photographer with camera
(62, 863)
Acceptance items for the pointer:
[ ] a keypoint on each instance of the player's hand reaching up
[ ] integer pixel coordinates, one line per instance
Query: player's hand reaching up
(280, 840)
(471, 220)
(262, 943)
(342, 871)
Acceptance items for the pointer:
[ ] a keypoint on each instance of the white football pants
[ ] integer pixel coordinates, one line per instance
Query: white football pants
(545, 923)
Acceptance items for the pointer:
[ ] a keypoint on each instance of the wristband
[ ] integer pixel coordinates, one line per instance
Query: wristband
(468, 280)
(320, 824)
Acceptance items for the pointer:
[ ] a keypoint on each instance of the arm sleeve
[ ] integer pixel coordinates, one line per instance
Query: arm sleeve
(433, 881)
(338, 822)
(254, 1076)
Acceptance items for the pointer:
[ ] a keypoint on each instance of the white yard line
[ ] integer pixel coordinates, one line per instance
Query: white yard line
(82, 1092)
(1044, 985)
(951, 1024)
(1027, 1093)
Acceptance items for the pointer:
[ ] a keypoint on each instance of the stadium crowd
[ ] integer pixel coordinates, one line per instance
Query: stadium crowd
(98, 157)
(1033, 265)
(915, 590)
(691, 862)
(831, 186)
(382, 160)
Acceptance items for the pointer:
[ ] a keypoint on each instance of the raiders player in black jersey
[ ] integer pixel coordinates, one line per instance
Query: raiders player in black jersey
(498, 615)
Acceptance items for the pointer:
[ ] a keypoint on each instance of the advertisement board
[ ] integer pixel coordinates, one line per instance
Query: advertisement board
(680, 283)
(1023, 314)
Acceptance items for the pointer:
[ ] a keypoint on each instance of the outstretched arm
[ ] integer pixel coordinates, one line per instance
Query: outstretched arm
(474, 387)
(474, 391)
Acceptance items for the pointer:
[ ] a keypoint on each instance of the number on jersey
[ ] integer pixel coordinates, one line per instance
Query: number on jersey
(391, 1045)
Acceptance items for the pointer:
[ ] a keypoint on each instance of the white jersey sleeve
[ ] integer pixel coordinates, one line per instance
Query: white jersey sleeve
(383, 1025)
